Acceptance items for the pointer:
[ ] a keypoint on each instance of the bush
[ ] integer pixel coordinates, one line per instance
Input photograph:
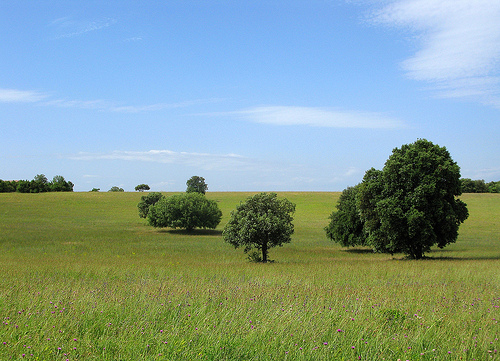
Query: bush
(187, 211)
(346, 226)
(146, 202)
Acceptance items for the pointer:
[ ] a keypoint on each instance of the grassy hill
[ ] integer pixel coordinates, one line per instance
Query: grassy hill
(85, 278)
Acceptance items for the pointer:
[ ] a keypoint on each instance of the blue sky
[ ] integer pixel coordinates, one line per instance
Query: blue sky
(263, 95)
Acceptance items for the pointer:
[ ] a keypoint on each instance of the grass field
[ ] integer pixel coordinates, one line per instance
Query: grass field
(83, 277)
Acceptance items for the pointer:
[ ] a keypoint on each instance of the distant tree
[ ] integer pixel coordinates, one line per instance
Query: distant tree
(473, 186)
(411, 204)
(59, 184)
(263, 221)
(142, 187)
(467, 185)
(116, 189)
(40, 184)
(346, 226)
(95, 189)
(147, 201)
(7, 186)
(187, 211)
(494, 187)
(23, 186)
(196, 184)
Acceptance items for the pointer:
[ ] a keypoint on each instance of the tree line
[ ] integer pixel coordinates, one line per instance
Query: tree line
(39, 184)
(479, 186)
(407, 207)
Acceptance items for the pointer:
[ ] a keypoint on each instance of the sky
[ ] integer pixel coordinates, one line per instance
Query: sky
(257, 95)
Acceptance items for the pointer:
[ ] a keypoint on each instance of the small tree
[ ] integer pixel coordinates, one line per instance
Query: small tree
(116, 189)
(187, 211)
(146, 202)
(346, 226)
(261, 222)
(142, 187)
(411, 204)
(196, 184)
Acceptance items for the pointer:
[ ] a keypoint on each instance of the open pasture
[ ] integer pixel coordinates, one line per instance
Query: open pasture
(83, 277)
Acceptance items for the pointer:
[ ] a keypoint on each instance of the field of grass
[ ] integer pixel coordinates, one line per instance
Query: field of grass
(83, 277)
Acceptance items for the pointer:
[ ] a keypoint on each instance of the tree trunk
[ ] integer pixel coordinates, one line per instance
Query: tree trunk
(264, 252)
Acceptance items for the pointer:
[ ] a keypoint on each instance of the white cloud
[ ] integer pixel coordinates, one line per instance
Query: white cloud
(20, 96)
(203, 161)
(459, 44)
(70, 28)
(316, 117)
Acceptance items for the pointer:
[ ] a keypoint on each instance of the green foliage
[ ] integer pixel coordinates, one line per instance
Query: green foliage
(494, 187)
(411, 204)
(473, 186)
(346, 226)
(116, 189)
(263, 221)
(7, 186)
(39, 184)
(95, 190)
(59, 184)
(142, 187)
(187, 211)
(146, 202)
(196, 184)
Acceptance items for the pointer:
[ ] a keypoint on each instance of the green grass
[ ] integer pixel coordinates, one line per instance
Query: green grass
(83, 277)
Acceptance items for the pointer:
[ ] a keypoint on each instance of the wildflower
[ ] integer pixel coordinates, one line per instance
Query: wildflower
(339, 330)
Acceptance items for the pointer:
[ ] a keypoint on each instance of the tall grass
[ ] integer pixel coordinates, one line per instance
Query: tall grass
(85, 278)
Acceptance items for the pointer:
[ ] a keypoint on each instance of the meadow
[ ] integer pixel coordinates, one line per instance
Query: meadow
(84, 278)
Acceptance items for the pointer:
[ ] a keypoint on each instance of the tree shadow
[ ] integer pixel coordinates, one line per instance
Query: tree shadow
(444, 258)
(194, 232)
(358, 250)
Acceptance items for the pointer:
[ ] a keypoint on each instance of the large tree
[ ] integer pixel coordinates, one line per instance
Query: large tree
(187, 210)
(263, 221)
(411, 204)
(196, 184)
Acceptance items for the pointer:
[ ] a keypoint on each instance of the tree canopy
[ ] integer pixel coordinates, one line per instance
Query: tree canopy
(261, 222)
(196, 184)
(142, 187)
(187, 211)
(411, 204)
(116, 189)
(346, 227)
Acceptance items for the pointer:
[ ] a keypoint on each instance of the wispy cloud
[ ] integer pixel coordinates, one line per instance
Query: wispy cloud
(28, 96)
(205, 161)
(20, 96)
(459, 44)
(68, 27)
(315, 117)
